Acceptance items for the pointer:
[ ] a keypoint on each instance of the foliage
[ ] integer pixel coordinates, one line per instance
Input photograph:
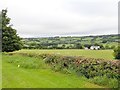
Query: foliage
(107, 46)
(117, 52)
(78, 46)
(89, 67)
(10, 40)
(104, 41)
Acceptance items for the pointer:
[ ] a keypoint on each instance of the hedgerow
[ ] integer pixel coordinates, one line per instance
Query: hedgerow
(89, 67)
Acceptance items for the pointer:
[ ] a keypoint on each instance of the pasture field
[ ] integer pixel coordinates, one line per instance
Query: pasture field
(44, 77)
(104, 54)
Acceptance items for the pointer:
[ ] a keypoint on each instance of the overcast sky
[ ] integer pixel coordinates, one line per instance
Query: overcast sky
(62, 17)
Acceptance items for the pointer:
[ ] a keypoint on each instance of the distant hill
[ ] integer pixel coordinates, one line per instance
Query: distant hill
(106, 41)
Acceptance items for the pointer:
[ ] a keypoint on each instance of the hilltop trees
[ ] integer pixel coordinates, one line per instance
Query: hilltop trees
(10, 40)
(78, 46)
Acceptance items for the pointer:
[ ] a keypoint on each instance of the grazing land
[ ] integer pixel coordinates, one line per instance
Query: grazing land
(44, 77)
(104, 54)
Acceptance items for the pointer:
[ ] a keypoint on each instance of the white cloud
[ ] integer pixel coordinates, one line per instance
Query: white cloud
(61, 17)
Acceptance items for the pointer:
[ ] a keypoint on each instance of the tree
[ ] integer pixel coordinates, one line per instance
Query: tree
(63, 46)
(117, 52)
(87, 45)
(104, 41)
(101, 46)
(10, 40)
(78, 46)
(113, 47)
(107, 46)
(96, 44)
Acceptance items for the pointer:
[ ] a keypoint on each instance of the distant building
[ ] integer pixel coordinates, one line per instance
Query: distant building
(86, 48)
(95, 47)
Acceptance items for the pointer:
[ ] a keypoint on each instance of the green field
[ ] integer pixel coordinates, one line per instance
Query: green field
(105, 54)
(44, 77)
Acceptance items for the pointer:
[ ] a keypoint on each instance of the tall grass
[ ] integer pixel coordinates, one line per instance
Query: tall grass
(105, 81)
(26, 62)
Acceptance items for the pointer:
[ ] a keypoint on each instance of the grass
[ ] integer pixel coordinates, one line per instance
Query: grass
(26, 62)
(112, 83)
(22, 77)
(104, 54)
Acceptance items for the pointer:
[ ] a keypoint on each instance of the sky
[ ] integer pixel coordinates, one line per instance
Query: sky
(47, 18)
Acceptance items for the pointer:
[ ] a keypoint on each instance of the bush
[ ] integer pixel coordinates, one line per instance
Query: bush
(117, 53)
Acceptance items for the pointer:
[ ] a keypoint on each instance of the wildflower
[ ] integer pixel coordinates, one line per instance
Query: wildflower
(18, 66)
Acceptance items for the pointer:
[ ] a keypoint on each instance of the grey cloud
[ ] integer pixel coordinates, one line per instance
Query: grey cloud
(62, 17)
(93, 8)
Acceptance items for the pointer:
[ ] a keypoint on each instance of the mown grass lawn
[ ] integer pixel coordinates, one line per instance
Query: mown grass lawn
(104, 54)
(14, 77)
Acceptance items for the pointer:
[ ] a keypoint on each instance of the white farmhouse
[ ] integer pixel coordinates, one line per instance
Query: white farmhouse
(95, 47)
(86, 48)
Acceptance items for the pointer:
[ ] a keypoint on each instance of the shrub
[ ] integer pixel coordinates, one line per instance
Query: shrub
(117, 53)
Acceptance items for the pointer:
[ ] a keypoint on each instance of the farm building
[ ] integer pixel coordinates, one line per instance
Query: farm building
(86, 48)
(95, 47)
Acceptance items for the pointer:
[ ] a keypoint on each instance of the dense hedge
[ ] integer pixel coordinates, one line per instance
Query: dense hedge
(88, 67)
